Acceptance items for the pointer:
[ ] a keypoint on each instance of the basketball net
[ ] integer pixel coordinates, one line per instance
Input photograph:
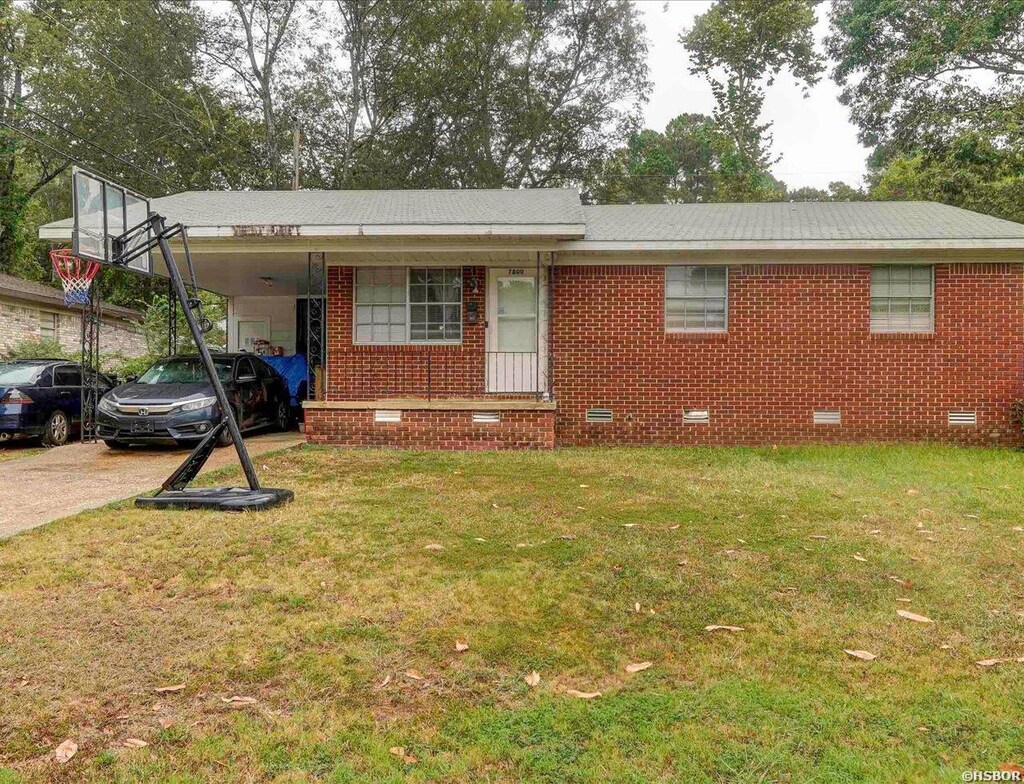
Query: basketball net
(76, 275)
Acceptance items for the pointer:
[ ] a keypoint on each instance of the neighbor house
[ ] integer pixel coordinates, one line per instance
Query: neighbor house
(31, 312)
(507, 319)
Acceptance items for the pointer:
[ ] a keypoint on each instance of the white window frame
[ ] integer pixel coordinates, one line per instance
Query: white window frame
(695, 330)
(408, 340)
(930, 328)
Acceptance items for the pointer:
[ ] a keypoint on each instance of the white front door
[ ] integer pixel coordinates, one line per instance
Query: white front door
(513, 321)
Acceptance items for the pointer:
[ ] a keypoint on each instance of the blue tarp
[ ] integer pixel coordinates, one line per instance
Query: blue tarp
(294, 370)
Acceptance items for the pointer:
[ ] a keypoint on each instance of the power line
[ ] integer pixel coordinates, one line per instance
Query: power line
(99, 147)
(40, 142)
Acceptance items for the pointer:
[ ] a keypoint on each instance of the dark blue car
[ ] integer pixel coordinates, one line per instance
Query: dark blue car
(42, 398)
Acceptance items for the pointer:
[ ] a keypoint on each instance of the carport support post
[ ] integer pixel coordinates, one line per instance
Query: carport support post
(159, 227)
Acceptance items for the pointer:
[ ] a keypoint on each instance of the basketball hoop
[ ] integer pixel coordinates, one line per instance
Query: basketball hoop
(76, 275)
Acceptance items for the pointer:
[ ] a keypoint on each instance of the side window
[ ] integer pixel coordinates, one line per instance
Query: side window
(696, 299)
(264, 370)
(902, 298)
(67, 376)
(244, 368)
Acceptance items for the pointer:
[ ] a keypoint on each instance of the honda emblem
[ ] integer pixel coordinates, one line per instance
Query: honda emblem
(143, 411)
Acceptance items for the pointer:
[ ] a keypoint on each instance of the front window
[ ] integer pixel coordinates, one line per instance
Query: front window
(184, 370)
(696, 299)
(902, 299)
(408, 305)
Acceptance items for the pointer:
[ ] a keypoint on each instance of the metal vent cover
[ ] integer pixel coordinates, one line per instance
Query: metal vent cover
(599, 415)
(963, 418)
(387, 415)
(827, 417)
(696, 416)
(486, 417)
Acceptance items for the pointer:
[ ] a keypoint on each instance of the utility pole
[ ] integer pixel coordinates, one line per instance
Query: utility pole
(295, 152)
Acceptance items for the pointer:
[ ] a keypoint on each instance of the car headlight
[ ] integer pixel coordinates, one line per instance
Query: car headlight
(108, 405)
(195, 405)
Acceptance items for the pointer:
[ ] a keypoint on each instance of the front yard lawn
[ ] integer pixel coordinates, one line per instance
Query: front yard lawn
(335, 621)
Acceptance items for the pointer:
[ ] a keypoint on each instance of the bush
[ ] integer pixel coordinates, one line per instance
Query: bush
(37, 349)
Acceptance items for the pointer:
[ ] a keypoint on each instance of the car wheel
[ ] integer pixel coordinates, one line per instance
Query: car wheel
(58, 429)
(111, 444)
(224, 439)
(283, 417)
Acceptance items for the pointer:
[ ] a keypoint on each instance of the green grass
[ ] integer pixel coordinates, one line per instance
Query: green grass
(309, 608)
(18, 449)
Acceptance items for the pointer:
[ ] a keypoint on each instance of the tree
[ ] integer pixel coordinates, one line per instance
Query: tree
(252, 43)
(837, 191)
(971, 172)
(921, 73)
(694, 160)
(479, 94)
(741, 47)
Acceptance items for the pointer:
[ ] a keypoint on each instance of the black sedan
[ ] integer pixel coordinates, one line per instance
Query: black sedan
(174, 401)
(42, 398)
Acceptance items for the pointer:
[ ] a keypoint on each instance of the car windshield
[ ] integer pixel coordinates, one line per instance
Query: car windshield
(16, 373)
(183, 370)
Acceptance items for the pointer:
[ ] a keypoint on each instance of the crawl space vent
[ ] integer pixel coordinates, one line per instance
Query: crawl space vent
(486, 417)
(827, 417)
(599, 415)
(696, 416)
(387, 415)
(963, 418)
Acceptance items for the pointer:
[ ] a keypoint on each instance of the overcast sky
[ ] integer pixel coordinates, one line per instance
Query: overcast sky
(816, 140)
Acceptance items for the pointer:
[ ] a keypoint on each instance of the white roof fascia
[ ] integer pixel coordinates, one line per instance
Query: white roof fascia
(1008, 243)
(376, 230)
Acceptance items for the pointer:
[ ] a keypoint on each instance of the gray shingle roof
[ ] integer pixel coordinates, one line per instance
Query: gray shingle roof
(908, 220)
(19, 288)
(356, 208)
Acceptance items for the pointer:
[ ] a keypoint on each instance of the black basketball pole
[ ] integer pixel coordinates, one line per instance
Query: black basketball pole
(159, 228)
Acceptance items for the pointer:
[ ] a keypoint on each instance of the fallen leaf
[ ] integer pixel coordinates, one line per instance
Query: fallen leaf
(673, 527)
(1011, 767)
(385, 682)
(66, 751)
(913, 617)
(165, 689)
(1018, 528)
(135, 743)
(398, 751)
(860, 558)
(639, 666)
(912, 491)
(166, 722)
(583, 695)
(434, 547)
(636, 607)
(567, 537)
(818, 536)
(409, 759)
(905, 601)
(865, 655)
(629, 525)
(461, 646)
(533, 679)
(479, 539)
(972, 516)
(875, 531)
(1002, 660)
(719, 627)
(414, 674)
(236, 700)
(903, 583)
(584, 486)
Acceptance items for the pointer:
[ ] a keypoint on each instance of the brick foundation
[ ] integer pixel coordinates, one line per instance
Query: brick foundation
(426, 429)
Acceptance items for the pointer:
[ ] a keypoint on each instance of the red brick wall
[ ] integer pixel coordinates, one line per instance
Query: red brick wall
(432, 430)
(365, 372)
(798, 340)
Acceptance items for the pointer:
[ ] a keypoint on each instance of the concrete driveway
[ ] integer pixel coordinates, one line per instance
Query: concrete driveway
(40, 488)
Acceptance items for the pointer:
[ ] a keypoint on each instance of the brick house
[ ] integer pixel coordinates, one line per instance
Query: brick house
(507, 319)
(31, 311)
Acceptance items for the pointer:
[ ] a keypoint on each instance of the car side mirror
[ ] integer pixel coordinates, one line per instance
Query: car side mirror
(246, 379)
(130, 379)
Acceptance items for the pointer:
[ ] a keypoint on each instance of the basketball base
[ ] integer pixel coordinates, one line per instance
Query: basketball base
(227, 499)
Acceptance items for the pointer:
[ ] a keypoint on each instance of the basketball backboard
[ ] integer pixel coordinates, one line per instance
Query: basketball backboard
(104, 210)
